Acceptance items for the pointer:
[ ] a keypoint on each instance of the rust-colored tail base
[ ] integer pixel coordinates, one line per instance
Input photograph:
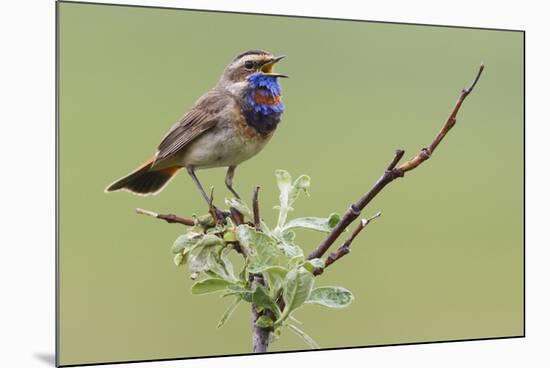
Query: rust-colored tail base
(144, 181)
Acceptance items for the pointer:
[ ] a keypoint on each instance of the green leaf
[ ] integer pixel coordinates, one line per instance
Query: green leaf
(217, 269)
(263, 247)
(312, 344)
(275, 334)
(199, 263)
(297, 287)
(220, 266)
(300, 185)
(264, 322)
(211, 239)
(210, 259)
(216, 262)
(290, 250)
(284, 181)
(229, 311)
(333, 220)
(262, 300)
(229, 236)
(243, 275)
(178, 259)
(294, 261)
(331, 296)
(293, 319)
(210, 285)
(238, 290)
(274, 276)
(186, 241)
(239, 205)
(266, 268)
(313, 223)
(203, 261)
(288, 193)
(224, 256)
(244, 295)
(289, 236)
(205, 221)
(313, 264)
(218, 229)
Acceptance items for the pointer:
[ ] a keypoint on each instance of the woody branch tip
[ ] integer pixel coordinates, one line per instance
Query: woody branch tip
(256, 209)
(392, 172)
(170, 218)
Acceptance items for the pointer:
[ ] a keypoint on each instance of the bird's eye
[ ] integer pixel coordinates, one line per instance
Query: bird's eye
(249, 64)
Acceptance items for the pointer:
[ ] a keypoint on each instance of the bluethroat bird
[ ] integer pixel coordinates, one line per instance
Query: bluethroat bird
(228, 125)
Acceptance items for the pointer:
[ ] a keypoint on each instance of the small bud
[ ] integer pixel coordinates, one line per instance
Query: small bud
(178, 259)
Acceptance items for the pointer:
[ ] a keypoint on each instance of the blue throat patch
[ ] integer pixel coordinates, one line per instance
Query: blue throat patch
(263, 106)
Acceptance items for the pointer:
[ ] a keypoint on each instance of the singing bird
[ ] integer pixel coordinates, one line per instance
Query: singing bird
(228, 125)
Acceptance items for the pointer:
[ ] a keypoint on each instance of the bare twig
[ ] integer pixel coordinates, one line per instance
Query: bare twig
(398, 155)
(346, 247)
(211, 202)
(425, 153)
(393, 173)
(236, 216)
(170, 218)
(256, 209)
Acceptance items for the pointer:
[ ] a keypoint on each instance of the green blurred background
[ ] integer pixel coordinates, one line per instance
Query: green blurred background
(444, 262)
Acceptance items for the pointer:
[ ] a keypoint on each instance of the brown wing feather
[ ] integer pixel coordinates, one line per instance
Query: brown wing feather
(203, 116)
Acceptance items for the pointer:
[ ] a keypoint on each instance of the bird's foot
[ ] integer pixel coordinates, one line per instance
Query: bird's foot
(218, 215)
(232, 190)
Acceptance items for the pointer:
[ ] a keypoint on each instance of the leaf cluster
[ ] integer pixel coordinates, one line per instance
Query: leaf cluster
(271, 252)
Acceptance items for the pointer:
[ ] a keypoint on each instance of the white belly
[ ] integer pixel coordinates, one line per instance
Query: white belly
(221, 146)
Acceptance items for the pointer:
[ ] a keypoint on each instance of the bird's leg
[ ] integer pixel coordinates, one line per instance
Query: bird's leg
(220, 215)
(191, 171)
(229, 181)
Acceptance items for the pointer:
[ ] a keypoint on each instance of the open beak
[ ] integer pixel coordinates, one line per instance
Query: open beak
(267, 68)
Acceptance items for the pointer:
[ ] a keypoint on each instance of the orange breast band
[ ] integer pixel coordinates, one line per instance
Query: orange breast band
(266, 100)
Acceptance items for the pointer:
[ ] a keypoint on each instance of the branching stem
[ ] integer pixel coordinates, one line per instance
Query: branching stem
(392, 172)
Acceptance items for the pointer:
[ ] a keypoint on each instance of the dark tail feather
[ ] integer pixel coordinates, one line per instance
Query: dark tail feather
(144, 182)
